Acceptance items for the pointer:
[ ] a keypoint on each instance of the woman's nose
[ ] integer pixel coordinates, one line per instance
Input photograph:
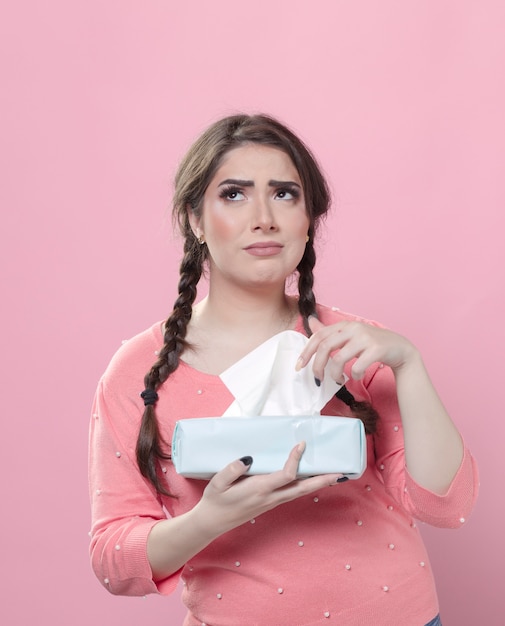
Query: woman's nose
(264, 218)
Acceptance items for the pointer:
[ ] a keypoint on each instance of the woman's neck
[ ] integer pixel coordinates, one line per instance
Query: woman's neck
(245, 310)
(223, 329)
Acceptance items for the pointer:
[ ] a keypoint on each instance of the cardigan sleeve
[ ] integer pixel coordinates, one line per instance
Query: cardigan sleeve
(449, 510)
(124, 505)
(379, 387)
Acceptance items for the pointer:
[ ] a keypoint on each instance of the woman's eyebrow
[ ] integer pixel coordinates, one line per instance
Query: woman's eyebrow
(250, 183)
(235, 181)
(282, 183)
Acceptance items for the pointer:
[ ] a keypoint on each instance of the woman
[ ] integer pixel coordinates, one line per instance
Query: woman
(269, 549)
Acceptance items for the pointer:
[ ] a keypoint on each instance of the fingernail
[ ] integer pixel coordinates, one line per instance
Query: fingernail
(342, 479)
(298, 365)
(247, 460)
(301, 447)
(317, 381)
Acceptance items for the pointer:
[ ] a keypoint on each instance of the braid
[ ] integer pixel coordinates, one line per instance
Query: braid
(307, 307)
(362, 410)
(306, 299)
(150, 443)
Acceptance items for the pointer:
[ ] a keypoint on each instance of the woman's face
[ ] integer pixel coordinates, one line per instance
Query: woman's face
(254, 219)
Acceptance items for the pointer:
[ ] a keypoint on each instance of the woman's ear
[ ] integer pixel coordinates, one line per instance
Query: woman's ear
(194, 221)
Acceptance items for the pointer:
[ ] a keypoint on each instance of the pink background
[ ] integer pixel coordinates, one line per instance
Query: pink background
(403, 102)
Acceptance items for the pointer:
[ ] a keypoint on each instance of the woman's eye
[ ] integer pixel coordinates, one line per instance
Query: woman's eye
(235, 195)
(232, 194)
(287, 194)
(284, 195)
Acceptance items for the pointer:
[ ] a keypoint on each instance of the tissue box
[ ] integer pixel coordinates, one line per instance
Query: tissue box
(203, 446)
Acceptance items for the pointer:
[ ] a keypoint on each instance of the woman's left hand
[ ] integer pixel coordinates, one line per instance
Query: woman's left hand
(340, 343)
(433, 446)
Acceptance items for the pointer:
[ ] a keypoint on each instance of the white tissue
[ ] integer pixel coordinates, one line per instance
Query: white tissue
(265, 381)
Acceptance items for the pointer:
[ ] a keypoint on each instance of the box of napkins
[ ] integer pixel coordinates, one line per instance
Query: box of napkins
(203, 446)
(274, 407)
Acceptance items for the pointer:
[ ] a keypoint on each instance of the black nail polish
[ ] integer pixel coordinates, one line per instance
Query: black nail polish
(247, 460)
(317, 381)
(342, 479)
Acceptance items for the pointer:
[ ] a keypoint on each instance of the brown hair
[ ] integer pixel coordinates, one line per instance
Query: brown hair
(194, 174)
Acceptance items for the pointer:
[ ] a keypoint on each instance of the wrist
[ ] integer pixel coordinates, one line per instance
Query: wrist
(205, 522)
(411, 361)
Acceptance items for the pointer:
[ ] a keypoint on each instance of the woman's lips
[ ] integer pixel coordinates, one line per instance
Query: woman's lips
(264, 248)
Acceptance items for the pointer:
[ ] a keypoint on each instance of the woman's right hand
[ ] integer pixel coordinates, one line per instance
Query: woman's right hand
(231, 498)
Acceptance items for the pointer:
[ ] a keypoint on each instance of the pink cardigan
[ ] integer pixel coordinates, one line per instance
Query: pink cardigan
(350, 554)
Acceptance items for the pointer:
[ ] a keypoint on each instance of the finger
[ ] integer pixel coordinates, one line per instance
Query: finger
(287, 486)
(288, 473)
(320, 334)
(336, 359)
(306, 486)
(329, 350)
(315, 324)
(231, 473)
(306, 354)
(361, 364)
(290, 486)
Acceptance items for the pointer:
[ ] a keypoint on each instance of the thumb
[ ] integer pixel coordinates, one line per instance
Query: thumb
(232, 472)
(315, 324)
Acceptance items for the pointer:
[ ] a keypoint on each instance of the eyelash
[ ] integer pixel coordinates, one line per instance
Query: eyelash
(295, 193)
(226, 192)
